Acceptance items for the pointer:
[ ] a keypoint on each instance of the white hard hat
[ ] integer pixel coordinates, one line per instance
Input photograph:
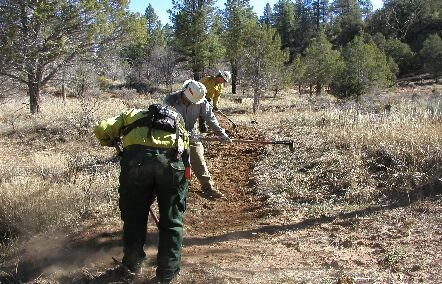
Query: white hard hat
(194, 91)
(226, 75)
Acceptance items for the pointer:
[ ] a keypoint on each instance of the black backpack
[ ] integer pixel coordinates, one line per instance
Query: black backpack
(156, 117)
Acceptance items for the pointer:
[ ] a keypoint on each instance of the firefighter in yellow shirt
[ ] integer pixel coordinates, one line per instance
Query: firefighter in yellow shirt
(154, 158)
(214, 86)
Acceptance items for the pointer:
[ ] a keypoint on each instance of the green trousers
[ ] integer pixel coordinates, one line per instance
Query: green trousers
(146, 174)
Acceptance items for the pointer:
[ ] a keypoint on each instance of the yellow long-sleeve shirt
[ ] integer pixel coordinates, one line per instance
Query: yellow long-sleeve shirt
(214, 89)
(108, 130)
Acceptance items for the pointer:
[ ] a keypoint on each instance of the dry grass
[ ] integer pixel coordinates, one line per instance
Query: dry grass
(352, 153)
(55, 174)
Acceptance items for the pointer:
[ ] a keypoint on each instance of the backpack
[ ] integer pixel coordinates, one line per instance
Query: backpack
(156, 117)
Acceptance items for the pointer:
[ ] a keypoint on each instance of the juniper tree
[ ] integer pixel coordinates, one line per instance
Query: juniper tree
(263, 60)
(365, 68)
(38, 38)
(431, 52)
(321, 63)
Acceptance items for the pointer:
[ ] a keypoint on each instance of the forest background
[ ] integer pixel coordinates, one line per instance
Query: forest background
(343, 47)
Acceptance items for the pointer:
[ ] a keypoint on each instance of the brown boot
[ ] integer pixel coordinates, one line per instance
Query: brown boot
(212, 193)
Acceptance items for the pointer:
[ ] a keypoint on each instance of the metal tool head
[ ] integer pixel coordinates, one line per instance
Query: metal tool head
(289, 143)
(292, 146)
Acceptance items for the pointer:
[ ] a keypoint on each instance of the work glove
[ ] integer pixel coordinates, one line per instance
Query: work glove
(225, 138)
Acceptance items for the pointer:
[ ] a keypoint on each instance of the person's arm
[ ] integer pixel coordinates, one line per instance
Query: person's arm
(108, 131)
(216, 94)
(210, 118)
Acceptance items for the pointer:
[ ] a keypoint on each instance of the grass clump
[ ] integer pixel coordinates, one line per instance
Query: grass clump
(352, 153)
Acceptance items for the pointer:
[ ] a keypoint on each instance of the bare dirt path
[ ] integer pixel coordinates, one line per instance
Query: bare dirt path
(239, 240)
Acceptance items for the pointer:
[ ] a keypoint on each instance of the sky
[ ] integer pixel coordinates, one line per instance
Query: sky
(161, 6)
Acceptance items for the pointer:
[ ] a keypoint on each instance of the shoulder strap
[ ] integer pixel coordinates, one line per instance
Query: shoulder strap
(145, 121)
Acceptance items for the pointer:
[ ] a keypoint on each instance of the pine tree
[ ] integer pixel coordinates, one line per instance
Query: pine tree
(347, 21)
(154, 28)
(305, 25)
(191, 22)
(237, 16)
(285, 23)
(267, 17)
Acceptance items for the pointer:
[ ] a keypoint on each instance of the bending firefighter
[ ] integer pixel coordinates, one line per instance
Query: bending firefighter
(214, 86)
(155, 153)
(191, 104)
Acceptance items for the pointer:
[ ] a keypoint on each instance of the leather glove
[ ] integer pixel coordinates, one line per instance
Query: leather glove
(225, 138)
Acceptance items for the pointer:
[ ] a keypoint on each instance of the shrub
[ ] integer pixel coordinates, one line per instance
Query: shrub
(365, 68)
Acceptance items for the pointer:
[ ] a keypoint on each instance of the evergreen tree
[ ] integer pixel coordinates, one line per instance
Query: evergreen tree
(267, 17)
(366, 7)
(409, 21)
(306, 24)
(263, 60)
(39, 38)
(431, 52)
(154, 28)
(320, 62)
(237, 16)
(320, 13)
(401, 53)
(285, 23)
(215, 45)
(191, 22)
(366, 67)
(347, 21)
(298, 69)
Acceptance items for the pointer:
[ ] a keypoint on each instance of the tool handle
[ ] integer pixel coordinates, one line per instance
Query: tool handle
(217, 139)
(231, 121)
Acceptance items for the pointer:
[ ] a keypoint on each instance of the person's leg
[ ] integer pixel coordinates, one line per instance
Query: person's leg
(201, 171)
(199, 165)
(171, 192)
(135, 198)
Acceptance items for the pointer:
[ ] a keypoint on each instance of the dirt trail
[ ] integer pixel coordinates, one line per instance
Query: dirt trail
(238, 240)
(86, 257)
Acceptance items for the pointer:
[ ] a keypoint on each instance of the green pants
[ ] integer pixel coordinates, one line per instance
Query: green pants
(146, 173)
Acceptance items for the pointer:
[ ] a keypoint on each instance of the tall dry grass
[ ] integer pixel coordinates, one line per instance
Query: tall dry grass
(53, 173)
(382, 149)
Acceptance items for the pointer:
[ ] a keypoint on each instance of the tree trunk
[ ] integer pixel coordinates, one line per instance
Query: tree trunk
(34, 87)
(197, 74)
(256, 100)
(234, 77)
(63, 93)
(318, 88)
(34, 97)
